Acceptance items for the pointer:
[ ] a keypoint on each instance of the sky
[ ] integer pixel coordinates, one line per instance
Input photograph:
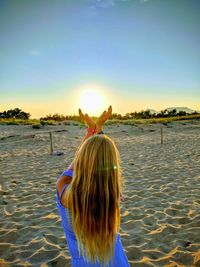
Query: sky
(135, 54)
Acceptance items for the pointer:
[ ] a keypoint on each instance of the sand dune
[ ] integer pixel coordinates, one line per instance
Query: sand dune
(160, 213)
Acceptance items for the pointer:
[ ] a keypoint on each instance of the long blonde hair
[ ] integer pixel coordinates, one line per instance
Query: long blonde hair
(93, 198)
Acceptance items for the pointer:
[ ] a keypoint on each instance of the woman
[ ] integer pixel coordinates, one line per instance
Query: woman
(88, 198)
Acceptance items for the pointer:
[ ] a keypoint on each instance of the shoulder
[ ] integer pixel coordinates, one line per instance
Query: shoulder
(62, 181)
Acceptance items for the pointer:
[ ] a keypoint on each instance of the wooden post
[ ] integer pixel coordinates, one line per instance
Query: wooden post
(51, 143)
(161, 134)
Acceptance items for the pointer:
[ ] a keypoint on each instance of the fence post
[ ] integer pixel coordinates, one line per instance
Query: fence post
(161, 134)
(51, 143)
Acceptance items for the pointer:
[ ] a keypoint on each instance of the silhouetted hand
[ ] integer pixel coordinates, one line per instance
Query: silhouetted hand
(90, 123)
(103, 118)
(100, 121)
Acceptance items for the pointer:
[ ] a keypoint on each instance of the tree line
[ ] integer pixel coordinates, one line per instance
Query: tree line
(17, 113)
(147, 114)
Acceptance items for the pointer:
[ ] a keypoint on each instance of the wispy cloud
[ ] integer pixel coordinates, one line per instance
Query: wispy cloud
(95, 4)
(102, 3)
(34, 52)
(143, 1)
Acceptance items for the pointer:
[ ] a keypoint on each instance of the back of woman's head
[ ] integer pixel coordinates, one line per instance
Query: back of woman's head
(93, 197)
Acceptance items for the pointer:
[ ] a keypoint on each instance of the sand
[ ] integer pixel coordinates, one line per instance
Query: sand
(160, 213)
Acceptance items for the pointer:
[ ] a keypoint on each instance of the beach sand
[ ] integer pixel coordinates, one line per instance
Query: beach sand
(160, 212)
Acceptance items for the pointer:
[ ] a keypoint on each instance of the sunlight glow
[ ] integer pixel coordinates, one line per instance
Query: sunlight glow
(91, 101)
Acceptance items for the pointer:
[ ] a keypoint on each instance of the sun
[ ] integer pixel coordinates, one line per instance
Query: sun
(91, 101)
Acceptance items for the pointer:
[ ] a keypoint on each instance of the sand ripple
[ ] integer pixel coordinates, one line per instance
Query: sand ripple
(160, 213)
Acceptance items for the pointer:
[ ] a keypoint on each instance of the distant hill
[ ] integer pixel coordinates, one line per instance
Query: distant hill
(153, 111)
(178, 109)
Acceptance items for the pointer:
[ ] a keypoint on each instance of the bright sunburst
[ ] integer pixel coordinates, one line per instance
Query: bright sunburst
(91, 101)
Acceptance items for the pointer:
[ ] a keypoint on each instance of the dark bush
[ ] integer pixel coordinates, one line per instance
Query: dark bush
(12, 123)
(36, 126)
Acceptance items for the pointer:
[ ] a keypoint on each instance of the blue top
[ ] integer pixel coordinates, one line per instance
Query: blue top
(119, 259)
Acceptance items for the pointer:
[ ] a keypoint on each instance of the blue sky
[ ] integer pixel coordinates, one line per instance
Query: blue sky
(138, 53)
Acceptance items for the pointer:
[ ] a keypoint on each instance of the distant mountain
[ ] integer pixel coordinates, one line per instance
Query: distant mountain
(152, 111)
(178, 109)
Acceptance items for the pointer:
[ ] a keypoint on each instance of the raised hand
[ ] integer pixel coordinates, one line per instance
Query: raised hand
(103, 118)
(100, 121)
(90, 123)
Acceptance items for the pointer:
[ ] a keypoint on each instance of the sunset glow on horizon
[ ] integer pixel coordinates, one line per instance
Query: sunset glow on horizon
(132, 54)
